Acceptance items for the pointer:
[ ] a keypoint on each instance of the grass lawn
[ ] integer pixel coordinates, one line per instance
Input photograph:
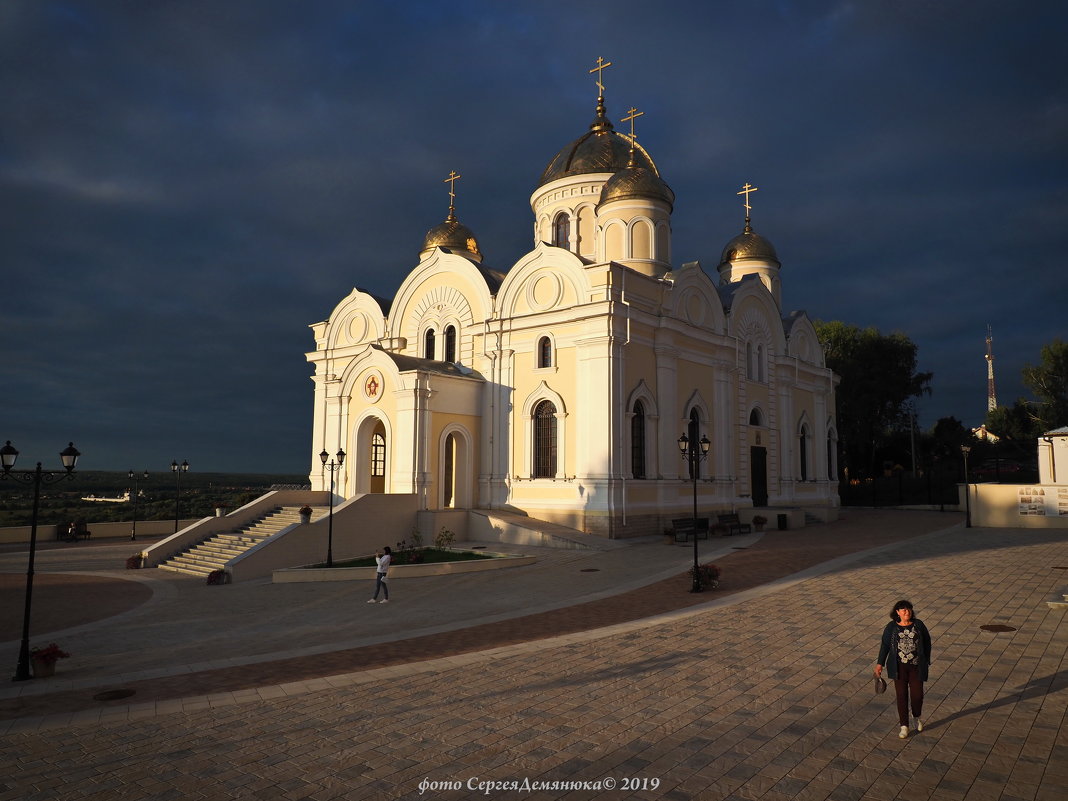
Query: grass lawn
(430, 556)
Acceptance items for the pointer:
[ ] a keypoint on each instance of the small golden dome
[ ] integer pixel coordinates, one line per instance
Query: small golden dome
(637, 182)
(453, 236)
(749, 245)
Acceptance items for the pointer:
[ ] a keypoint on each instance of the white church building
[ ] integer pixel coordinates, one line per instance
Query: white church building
(559, 388)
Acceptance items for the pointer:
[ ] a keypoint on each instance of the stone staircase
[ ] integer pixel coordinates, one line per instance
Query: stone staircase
(214, 552)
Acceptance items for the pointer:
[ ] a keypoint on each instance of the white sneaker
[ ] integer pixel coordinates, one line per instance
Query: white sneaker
(919, 724)
(372, 601)
(904, 732)
(384, 601)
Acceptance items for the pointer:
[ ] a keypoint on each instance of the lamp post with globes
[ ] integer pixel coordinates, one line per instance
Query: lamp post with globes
(134, 477)
(8, 455)
(333, 467)
(695, 453)
(178, 469)
(965, 450)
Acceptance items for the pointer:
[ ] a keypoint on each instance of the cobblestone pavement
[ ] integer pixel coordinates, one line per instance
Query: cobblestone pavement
(764, 693)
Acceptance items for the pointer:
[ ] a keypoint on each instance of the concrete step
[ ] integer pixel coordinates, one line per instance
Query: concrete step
(184, 570)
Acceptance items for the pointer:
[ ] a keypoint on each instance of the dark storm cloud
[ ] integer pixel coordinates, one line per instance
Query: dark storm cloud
(184, 187)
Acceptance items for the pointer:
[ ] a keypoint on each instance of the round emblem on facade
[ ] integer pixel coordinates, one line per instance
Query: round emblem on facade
(373, 385)
(357, 327)
(545, 291)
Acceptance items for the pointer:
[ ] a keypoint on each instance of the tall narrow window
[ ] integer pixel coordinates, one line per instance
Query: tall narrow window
(545, 440)
(760, 374)
(802, 450)
(831, 448)
(428, 344)
(750, 372)
(694, 434)
(562, 230)
(545, 352)
(378, 455)
(637, 441)
(449, 477)
(450, 343)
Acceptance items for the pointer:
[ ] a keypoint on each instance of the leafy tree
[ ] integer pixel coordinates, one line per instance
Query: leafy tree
(1049, 382)
(878, 377)
(1017, 422)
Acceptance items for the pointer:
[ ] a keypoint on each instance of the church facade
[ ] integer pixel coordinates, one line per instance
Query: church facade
(561, 388)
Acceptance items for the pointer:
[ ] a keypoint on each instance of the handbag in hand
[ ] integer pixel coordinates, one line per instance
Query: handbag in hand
(880, 685)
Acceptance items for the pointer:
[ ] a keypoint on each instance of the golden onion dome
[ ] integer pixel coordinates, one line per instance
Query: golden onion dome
(600, 149)
(749, 245)
(453, 236)
(637, 182)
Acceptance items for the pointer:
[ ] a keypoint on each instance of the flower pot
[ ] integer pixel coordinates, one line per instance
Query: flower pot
(305, 517)
(43, 668)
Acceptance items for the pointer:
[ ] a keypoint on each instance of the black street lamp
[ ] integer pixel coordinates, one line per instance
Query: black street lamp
(333, 467)
(695, 453)
(178, 469)
(133, 477)
(964, 449)
(8, 455)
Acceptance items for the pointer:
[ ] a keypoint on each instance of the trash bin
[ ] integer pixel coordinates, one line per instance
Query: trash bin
(784, 522)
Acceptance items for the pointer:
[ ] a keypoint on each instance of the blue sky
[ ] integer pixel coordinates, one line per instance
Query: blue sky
(186, 186)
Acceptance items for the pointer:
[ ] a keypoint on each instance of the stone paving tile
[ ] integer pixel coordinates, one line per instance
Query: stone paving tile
(515, 715)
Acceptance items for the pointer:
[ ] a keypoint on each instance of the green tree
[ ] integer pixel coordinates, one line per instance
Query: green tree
(1017, 422)
(1049, 382)
(878, 377)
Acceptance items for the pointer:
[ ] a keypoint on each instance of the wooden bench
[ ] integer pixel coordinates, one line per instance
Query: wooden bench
(734, 525)
(684, 528)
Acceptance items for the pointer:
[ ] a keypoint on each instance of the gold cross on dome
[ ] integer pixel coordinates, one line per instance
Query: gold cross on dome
(632, 115)
(451, 181)
(745, 191)
(601, 65)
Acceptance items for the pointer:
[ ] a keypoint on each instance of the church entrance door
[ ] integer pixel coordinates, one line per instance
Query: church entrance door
(378, 460)
(758, 472)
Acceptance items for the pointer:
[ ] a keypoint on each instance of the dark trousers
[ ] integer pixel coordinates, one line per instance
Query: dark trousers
(906, 685)
(380, 584)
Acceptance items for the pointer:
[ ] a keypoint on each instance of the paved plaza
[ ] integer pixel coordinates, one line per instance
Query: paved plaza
(589, 675)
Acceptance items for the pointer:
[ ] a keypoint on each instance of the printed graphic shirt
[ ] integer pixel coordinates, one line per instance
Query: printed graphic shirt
(906, 645)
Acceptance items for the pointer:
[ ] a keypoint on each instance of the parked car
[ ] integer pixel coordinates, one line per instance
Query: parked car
(997, 469)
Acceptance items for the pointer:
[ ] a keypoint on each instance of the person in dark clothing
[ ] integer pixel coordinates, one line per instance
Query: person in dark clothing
(905, 650)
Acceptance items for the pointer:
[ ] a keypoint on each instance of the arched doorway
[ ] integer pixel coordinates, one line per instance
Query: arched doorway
(370, 457)
(455, 460)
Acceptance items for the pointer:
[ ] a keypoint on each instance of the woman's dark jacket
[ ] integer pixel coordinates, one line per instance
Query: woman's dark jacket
(888, 648)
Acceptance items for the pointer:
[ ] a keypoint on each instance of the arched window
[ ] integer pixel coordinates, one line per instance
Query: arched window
(545, 352)
(694, 433)
(802, 451)
(750, 371)
(450, 343)
(562, 230)
(831, 451)
(378, 455)
(755, 418)
(449, 474)
(637, 441)
(545, 440)
(428, 344)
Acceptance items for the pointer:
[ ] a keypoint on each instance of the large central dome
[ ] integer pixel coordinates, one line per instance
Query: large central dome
(601, 149)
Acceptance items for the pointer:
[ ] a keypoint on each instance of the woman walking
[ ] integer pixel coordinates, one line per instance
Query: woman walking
(383, 558)
(906, 651)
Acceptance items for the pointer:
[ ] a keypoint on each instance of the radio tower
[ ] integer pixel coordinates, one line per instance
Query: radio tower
(991, 394)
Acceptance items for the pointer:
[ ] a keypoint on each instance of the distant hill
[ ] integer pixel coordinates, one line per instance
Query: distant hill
(201, 494)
